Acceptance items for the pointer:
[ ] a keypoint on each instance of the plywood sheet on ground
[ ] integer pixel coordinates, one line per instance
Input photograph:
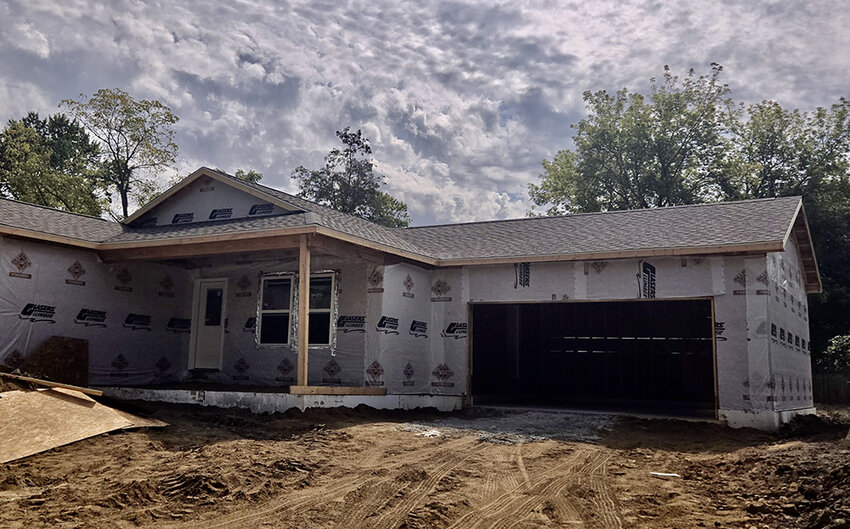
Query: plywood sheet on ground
(35, 421)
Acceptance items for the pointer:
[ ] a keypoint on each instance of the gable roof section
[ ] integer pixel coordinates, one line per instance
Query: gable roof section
(342, 222)
(763, 225)
(215, 175)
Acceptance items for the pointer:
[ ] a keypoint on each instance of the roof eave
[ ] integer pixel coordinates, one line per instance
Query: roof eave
(48, 237)
(799, 228)
(761, 247)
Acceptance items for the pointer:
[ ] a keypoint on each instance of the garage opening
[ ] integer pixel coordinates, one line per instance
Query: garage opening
(644, 356)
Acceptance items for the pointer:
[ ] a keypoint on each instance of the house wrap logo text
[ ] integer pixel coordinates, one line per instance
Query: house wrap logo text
(455, 330)
(223, 213)
(418, 329)
(348, 324)
(35, 313)
(137, 322)
(91, 318)
(388, 325)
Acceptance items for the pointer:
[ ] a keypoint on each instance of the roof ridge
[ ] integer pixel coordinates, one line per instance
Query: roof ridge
(58, 210)
(609, 212)
(263, 187)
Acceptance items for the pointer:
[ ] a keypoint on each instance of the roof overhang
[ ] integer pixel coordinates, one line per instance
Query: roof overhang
(47, 237)
(280, 238)
(259, 239)
(242, 241)
(799, 230)
(729, 249)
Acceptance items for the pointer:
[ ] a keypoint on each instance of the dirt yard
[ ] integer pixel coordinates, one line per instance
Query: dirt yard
(483, 468)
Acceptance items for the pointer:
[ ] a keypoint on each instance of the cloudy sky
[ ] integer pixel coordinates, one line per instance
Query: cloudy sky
(460, 100)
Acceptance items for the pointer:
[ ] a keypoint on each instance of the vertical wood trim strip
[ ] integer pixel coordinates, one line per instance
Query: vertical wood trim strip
(303, 308)
(714, 355)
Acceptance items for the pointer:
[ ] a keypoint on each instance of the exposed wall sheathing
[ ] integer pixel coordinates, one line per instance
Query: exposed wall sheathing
(206, 200)
(742, 361)
(131, 315)
(416, 330)
(788, 330)
(401, 327)
(244, 362)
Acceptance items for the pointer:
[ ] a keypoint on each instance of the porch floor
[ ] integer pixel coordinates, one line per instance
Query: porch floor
(274, 400)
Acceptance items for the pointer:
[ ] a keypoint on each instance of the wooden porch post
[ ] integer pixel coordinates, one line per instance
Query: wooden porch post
(303, 308)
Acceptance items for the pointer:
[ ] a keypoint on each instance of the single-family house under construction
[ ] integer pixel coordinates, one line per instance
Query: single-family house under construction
(231, 293)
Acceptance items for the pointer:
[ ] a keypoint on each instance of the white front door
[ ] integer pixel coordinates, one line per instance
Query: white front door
(207, 338)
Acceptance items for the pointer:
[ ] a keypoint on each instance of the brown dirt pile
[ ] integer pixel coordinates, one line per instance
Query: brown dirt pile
(362, 469)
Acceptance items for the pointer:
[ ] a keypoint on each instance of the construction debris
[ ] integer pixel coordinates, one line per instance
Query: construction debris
(51, 384)
(39, 420)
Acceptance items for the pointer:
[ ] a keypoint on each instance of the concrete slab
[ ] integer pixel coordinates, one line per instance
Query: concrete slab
(280, 402)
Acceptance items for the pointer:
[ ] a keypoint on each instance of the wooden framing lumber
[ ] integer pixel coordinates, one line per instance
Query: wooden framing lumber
(181, 248)
(335, 390)
(51, 384)
(303, 309)
(623, 254)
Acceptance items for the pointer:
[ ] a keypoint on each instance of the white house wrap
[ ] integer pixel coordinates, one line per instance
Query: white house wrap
(689, 310)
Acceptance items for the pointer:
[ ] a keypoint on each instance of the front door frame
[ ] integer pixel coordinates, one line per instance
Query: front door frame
(196, 320)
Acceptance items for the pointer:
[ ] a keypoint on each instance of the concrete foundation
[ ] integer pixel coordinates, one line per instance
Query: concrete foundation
(280, 402)
(761, 420)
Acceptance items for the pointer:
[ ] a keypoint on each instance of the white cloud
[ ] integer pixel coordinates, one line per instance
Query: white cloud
(24, 36)
(461, 100)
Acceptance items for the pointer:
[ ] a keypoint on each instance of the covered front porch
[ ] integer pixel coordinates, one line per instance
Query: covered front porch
(255, 316)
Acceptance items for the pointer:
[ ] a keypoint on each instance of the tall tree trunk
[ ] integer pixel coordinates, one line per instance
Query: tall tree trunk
(124, 202)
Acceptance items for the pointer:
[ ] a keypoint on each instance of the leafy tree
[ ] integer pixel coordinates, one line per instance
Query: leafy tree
(687, 142)
(390, 212)
(828, 212)
(136, 140)
(50, 162)
(836, 357)
(775, 152)
(348, 183)
(638, 152)
(249, 176)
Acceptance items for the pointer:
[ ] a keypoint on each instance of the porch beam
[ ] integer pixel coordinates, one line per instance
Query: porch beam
(303, 308)
(346, 250)
(177, 249)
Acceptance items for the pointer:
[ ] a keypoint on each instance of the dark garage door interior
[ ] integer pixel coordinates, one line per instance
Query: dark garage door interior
(649, 355)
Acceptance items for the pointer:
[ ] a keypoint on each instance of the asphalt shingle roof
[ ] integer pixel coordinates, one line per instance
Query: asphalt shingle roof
(200, 229)
(698, 226)
(335, 220)
(42, 219)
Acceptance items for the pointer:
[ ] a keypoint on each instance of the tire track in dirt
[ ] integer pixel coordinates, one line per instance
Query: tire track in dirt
(521, 464)
(554, 490)
(392, 518)
(489, 488)
(593, 476)
(291, 503)
(605, 500)
(504, 502)
(369, 503)
(381, 501)
(523, 507)
(522, 503)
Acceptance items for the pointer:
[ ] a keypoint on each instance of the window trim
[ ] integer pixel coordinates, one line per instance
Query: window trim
(293, 285)
(330, 311)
